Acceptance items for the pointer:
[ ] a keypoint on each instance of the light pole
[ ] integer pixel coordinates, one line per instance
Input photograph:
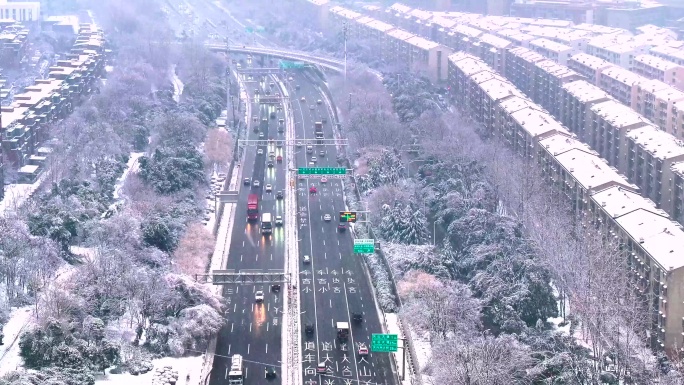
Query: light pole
(345, 51)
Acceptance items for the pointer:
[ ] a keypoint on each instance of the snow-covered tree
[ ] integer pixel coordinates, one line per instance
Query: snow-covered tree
(413, 226)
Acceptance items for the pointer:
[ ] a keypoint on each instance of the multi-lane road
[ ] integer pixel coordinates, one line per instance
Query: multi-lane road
(253, 329)
(334, 285)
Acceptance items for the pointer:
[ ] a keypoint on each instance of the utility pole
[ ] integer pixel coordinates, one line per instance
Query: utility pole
(345, 51)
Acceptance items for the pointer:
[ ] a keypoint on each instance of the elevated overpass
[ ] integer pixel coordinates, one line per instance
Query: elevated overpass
(327, 63)
(336, 65)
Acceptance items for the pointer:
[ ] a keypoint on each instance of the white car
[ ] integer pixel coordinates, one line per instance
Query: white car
(319, 101)
(324, 180)
(313, 159)
(303, 99)
(312, 107)
(259, 296)
(256, 183)
(279, 220)
(260, 151)
(363, 351)
(327, 217)
(269, 188)
(306, 259)
(299, 144)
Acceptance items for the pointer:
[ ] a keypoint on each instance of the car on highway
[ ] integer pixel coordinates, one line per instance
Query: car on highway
(303, 99)
(342, 227)
(261, 135)
(297, 87)
(314, 159)
(290, 79)
(246, 182)
(281, 121)
(279, 158)
(272, 84)
(256, 183)
(280, 195)
(324, 180)
(273, 115)
(324, 120)
(279, 220)
(256, 91)
(259, 296)
(270, 164)
(319, 101)
(363, 351)
(255, 118)
(312, 107)
(270, 372)
(321, 368)
(321, 153)
(268, 188)
(306, 259)
(299, 144)
(327, 217)
(260, 151)
(309, 329)
(313, 190)
(271, 154)
(309, 149)
(267, 91)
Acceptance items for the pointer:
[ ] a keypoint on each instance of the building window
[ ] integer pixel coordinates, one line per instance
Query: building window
(30, 14)
(14, 14)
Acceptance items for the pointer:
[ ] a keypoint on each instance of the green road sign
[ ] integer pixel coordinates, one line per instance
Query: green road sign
(364, 246)
(384, 343)
(286, 64)
(322, 171)
(348, 216)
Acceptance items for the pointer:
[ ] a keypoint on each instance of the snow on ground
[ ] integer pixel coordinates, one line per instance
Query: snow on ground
(421, 346)
(186, 366)
(20, 319)
(177, 84)
(131, 167)
(17, 194)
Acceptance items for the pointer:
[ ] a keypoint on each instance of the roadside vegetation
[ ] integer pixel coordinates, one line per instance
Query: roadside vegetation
(108, 264)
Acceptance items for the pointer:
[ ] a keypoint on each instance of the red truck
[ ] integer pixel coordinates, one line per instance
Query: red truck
(252, 207)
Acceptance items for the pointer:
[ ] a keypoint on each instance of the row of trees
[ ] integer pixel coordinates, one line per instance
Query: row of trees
(130, 286)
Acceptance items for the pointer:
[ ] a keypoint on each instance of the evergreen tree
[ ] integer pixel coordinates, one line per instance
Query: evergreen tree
(414, 226)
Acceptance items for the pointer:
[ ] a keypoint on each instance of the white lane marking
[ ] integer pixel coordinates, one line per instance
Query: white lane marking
(248, 346)
(266, 348)
(232, 324)
(250, 327)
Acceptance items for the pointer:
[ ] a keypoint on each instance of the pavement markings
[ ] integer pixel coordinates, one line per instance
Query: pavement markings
(248, 346)
(229, 346)
(257, 256)
(235, 308)
(240, 257)
(325, 255)
(266, 348)
(231, 327)
(250, 327)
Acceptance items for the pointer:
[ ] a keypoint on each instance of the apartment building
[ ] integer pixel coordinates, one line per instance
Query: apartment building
(25, 11)
(419, 54)
(518, 38)
(494, 91)
(648, 238)
(315, 11)
(549, 76)
(25, 121)
(645, 100)
(397, 46)
(576, 39)
(598, 29)
(441, 27)
(579, 173)
(619, 50)
(666, 110)
(492, 49)
(520, 63)
(610, 122)
(376, 31)
(650, 155)
(560, 53)
(521, 123)
(621, 84)
(418, 22)
(588, 66)
(671, 54)
(575, 100)
(461, 67)
(653, 67)
(554, 145)
(340, 16)
(464, 37)
(13, 45)
(676, 192)
(397, 13)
